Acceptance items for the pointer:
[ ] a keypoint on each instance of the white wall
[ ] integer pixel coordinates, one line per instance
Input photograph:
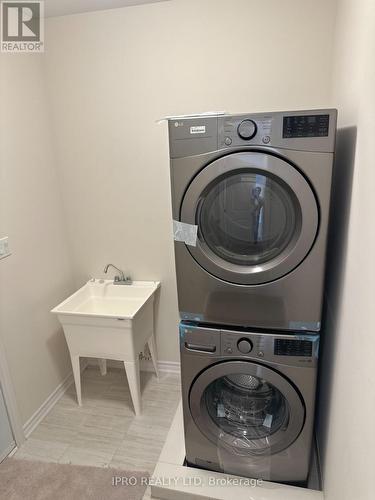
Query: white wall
(62, 7)
(38, 274)
(347, 399)
(112, 74)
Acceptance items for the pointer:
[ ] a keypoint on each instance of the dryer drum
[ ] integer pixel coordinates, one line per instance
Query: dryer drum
(248, 218)
(257, 217)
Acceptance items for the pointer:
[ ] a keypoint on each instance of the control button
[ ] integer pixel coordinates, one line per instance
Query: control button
(245, 346)
(229, 350)
(247, 129)
(261, 354)
(228, 141)
(266, 139)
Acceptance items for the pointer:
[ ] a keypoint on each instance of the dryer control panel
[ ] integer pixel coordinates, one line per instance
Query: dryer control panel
(305, 126)
(301, 130)
(310, 130)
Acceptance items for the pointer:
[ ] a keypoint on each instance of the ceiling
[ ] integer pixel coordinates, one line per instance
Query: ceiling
(64, 7)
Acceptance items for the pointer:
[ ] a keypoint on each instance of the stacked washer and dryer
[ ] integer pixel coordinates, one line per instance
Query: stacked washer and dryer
(251, 198)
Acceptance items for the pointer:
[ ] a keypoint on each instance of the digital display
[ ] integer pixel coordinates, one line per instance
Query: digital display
(305, 126)
(286, 347)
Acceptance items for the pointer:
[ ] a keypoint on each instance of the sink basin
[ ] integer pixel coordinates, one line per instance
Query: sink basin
(106, 321)
(101, 298)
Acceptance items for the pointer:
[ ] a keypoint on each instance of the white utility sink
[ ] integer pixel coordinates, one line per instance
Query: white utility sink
(104, 299)
(110, 321)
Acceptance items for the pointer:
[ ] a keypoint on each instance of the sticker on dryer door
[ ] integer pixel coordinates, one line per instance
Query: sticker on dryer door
(187, 233)
(198, 129)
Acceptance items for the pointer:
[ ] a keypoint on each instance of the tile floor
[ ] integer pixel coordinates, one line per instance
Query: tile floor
(104, 432)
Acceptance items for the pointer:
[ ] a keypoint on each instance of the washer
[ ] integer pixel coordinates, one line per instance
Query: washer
(257, 190)
(248, 401)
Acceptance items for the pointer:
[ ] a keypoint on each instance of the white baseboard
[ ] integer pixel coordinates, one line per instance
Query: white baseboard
(49, 403)
(146, 366)
(164, 366)
(13, 452)
(8, 451)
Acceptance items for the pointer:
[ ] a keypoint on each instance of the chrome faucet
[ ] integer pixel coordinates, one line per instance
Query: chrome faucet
(119, 279)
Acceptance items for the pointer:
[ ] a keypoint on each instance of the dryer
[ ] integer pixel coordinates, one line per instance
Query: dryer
(255, 189)
(248, 401)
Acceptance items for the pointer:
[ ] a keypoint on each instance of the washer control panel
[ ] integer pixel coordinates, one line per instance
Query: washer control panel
(245, 346)
(292, 347)
(285, 349)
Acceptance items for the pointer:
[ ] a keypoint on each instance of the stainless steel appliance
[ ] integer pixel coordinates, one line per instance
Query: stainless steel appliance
(248, 401)
(256, 188)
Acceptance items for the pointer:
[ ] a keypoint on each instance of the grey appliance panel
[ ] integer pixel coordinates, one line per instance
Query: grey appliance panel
(192, 136)
(293, 301)
(204, 447)
(282, 175)
(221, 133)
(286, 297)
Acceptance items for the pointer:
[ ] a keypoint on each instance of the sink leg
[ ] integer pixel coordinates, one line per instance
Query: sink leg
(103, 366)
(77, 377)
(152, 347)
(133, 375)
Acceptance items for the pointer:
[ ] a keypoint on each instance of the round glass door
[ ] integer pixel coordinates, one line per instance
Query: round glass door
(257, 217)
(248, 218)
(247, 408)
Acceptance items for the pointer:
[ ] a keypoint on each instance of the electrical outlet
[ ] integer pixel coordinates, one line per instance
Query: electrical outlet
(4, 247)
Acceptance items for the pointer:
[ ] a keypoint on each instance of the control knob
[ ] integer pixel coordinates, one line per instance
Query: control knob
(245, 346)
(247, 129)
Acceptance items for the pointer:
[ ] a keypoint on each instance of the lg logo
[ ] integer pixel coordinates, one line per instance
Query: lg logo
(22, 26)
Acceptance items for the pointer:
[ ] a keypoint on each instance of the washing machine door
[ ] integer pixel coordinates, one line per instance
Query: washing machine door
(246, 408)
(257, 217)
